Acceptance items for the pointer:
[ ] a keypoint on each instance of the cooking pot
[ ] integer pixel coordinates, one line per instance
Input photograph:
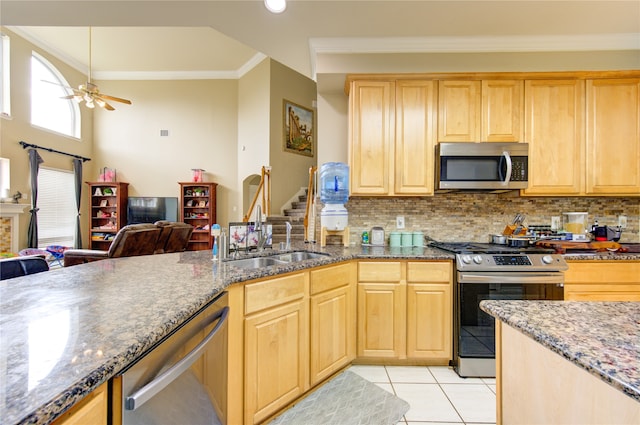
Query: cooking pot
(519, 242)
(498, 239)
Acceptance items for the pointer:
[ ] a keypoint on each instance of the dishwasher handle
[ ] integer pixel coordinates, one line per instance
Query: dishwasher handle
(145, 393)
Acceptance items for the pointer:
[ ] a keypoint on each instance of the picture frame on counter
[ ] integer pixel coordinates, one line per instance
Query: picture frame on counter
(298, 129)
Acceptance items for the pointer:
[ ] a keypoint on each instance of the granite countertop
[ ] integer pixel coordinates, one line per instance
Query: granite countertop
(603, 338)
(66, 331)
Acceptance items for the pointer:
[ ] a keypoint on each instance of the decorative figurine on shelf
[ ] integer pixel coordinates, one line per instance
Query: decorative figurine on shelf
(196, 175)
(98, 192)
(16, 196)
(107, 175)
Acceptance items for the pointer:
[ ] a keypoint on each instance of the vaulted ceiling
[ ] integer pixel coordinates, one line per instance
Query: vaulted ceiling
(222, 39)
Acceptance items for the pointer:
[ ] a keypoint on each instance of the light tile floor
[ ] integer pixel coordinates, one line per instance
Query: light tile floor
(437, 395)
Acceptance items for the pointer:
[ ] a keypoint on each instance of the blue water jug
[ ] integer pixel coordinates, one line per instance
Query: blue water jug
(334, 183)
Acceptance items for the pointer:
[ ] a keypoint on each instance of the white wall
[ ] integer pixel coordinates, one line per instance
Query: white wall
(200, 117)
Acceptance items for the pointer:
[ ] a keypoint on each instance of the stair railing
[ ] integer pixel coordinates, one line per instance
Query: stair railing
(310, 226)
(264, 191)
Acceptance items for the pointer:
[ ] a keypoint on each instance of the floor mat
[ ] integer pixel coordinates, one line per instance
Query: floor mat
(346, 399)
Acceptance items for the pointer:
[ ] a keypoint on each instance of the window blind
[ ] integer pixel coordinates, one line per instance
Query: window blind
(57, 208)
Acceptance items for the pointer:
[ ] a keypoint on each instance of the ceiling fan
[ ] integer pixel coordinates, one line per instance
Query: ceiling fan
(90, 93)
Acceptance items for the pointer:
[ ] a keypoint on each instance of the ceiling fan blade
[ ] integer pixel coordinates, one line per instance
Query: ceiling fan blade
(108, 107)
(71, 96)
(116, 99)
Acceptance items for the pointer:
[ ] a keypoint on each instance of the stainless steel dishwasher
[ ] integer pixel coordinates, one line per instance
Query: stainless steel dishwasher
(183, 379)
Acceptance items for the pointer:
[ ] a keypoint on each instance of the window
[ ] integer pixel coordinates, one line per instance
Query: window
(5, 82)
(57, 208)
(5, 178)
(48, 110)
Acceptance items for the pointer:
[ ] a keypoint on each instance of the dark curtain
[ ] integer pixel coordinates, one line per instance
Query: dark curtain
(77, 174)
(34, 166)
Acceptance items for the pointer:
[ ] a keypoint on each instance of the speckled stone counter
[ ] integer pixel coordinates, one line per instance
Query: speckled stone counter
(66, 331)
(603, 338)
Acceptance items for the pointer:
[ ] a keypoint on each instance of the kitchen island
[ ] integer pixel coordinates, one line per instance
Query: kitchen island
(65, 332)
(567, 362)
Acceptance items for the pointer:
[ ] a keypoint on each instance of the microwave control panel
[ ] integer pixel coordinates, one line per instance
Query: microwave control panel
(519, 169)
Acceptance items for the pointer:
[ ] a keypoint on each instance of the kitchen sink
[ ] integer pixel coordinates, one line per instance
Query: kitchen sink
(299, 256)
(256, 263)
(276, 260)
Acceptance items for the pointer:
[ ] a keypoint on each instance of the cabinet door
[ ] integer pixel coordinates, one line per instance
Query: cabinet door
(429, 311)
(459, 104)
(554, 123)
(276, 359)
(332, 334)
(602, 281)
(90, 410)
(429, 318)
(381, 320)
(332, 320)
(371, 135)
(501, 111)
(613, 137)
(415, 136)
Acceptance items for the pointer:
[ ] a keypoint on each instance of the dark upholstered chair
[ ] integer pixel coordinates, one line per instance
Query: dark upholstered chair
(131, 240)
(22, 266)
(174, 236)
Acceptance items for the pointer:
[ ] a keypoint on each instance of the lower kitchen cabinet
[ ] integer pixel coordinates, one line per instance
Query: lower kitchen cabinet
(276, 345)
(332, 320)
(602, 281)
(90, 410)
(429, 311)
(405, 311)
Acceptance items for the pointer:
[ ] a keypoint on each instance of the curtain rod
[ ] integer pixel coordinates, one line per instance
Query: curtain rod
(29, 145)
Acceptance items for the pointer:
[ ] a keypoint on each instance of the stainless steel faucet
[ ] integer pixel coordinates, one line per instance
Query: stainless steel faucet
(288, 245)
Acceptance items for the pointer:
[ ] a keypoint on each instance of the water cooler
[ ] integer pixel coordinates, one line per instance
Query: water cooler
(334, 193)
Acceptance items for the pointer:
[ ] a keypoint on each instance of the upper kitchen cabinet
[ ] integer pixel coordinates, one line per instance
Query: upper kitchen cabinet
(459, 111)
(480, 111)
(392, 135)
(371, 110)
(554, 129)
(501, 111)
(613, 137)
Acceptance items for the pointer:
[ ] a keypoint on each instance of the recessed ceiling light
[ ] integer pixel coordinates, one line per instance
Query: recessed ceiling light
(276, 6)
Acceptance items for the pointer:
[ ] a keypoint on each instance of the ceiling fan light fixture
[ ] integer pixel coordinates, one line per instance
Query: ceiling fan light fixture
(275, 6)
(100, 102)
(90, 104)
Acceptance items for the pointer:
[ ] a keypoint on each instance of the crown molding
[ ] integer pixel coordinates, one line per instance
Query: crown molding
(546, 43)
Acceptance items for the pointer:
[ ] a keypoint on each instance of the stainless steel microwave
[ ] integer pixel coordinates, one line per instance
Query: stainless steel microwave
(482, 165)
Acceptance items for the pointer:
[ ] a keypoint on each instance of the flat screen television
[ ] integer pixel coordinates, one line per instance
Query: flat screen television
(149, 209)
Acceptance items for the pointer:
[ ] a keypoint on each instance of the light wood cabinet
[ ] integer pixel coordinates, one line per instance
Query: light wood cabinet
(381, 310)
(602, 281)
(502, 111)
(90, 410)
(480, 111)
(276, 346)
(554, 130)
(414, 159)
(371, 131)
(332, 320)
(198, 208)
(613, 136)
(405, 311)
(392, 135)
(108, 212)
(459, 109)
(429, 311)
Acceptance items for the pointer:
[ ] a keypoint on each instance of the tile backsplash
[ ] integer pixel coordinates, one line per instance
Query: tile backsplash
(471, 216)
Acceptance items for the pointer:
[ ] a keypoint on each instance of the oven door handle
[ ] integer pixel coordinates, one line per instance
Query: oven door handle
(511, 278)
(145, 393)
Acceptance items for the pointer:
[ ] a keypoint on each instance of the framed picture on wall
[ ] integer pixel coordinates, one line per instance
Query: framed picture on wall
(299, 129)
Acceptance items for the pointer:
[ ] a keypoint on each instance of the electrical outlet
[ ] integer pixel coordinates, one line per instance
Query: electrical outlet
(400, 222)
(622, 221)
(555, 222)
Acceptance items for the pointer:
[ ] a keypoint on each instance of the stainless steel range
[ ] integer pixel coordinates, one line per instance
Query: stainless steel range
(495, 272)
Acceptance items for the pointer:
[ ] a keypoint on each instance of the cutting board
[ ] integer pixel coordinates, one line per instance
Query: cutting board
(562, 246)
